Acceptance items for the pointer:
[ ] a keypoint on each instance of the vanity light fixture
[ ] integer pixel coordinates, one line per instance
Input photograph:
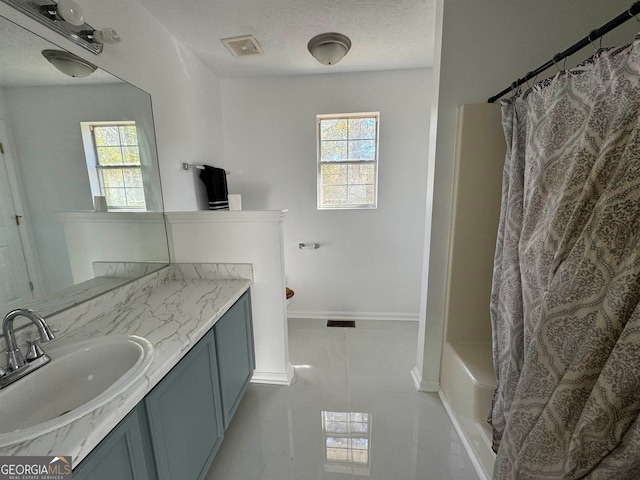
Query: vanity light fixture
(329, 48)
(69, 64)
(66, 18)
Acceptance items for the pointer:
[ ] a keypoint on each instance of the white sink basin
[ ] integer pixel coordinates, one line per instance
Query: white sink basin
(80, 378)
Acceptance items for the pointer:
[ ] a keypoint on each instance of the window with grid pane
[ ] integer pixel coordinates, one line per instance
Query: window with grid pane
(347, 442)
(118, 165)
(348, 160)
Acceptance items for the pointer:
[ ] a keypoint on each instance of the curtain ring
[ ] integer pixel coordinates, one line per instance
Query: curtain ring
(530, 86)
(555, 62)
(528, 78)
(599, 39)
(591, 41)
(631, 14)
(567, 70)
(515, 88)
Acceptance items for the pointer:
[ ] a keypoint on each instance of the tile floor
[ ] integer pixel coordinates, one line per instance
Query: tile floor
(351, 412)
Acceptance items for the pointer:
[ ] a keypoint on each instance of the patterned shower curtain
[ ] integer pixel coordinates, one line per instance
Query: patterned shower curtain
(565, 302)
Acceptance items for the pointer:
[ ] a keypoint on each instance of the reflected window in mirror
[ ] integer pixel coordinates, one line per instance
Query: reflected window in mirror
(113, 162)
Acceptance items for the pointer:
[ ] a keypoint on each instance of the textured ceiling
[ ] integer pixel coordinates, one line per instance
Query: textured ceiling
(385, 34)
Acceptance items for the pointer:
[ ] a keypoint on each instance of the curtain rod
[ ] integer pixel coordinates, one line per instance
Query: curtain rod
(589, 39)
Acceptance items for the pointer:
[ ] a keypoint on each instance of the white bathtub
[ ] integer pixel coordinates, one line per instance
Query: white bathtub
(467, 385)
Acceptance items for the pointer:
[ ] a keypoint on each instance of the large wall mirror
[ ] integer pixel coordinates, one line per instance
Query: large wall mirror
(66, 140)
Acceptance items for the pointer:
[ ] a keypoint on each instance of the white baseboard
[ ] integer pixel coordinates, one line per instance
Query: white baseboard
(421, 385)
(407, 317)
(274, 378)
(463, 438)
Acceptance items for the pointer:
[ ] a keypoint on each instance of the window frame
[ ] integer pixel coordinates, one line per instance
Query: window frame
(357, 459)
(320, 163)
(94, 167)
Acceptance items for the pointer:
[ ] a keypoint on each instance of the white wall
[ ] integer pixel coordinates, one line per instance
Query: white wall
(185, 95)
(369, 262)
(244, 237)
(112, 237)
(486, 46)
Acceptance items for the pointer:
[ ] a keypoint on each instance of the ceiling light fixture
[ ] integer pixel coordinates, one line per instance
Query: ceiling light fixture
(69, 64)
(329, 48)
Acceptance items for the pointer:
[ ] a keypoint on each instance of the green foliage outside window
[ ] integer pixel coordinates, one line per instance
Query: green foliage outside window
(118, 165)
(348, 161)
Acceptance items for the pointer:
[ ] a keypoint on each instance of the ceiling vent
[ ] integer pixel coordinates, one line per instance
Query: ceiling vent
(243, 46)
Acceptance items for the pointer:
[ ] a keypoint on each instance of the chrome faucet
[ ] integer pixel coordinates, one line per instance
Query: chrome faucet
(17, 366)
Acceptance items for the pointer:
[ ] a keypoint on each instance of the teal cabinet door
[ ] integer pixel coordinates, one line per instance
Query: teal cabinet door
(123, 454)
(184, 415)
(236, 360)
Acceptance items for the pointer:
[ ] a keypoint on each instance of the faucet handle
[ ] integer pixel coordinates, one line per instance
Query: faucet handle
(33, 350)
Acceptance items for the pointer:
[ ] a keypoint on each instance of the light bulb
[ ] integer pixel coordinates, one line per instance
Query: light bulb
(106, 35)
(70, 12)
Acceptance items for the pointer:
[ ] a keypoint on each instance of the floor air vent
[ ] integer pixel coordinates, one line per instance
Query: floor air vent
(341, 323)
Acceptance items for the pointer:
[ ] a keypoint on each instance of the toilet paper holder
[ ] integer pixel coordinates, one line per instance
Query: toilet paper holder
(313, 246)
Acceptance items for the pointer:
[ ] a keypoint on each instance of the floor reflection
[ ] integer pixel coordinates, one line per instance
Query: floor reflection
(347, 442)
(322, 426)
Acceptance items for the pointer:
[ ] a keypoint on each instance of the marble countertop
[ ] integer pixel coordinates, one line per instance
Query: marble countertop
(173, 315)
(109, 276)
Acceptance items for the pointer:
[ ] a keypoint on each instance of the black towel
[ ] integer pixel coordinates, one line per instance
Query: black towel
(215, 180)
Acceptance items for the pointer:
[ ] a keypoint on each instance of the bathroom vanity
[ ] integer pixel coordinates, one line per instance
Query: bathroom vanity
(170, 422)
(182, 420)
